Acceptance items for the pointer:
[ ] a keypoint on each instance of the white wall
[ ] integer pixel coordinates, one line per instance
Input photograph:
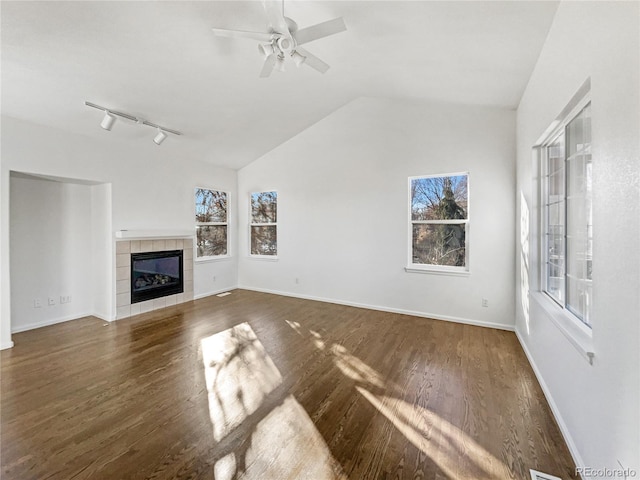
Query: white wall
(51, 253)
(101, 252)
(598, 406)
(151, 188)
(343, 209)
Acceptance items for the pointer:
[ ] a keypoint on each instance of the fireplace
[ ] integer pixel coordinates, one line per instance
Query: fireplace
(156, 274)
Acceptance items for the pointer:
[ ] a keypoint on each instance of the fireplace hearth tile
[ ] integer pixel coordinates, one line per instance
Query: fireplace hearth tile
(123, 273)
(171, 300)
(123, 247)
(135, 309)
(188, 275)
(159, 303)
(180, 298)
(146, 306)
(123, 260)
(136, 246)
(123, 312)
(123, 286)
(123, 299)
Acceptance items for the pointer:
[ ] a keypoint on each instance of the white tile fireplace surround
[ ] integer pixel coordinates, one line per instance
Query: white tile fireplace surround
(124, 249)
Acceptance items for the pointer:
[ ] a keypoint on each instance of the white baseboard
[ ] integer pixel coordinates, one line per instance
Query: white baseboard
(413, 313)
(4, 346)
(46, 323)
(573, 449)
(214, 292)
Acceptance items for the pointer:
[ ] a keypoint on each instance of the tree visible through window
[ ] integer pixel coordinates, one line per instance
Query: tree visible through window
(264, 228)
(211, 222)
(439, 217)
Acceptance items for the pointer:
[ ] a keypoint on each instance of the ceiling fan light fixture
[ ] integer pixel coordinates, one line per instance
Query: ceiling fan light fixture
(298, 58)
(108, 120)
(159, 138)
(266, 49)
(280, 63)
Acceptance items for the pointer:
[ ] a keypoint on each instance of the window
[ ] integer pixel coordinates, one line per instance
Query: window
(211, 223)
(439, 222)
(264, 223)
(568, 217)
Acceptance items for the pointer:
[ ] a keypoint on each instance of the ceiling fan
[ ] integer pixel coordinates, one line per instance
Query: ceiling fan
(284, 39)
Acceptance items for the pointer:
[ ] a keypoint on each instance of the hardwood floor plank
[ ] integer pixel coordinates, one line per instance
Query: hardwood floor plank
(358, 394)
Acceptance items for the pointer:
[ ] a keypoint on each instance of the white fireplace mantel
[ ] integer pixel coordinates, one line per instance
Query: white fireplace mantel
(150, 234)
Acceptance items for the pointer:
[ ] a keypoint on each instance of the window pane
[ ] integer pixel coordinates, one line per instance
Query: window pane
(211, 240)
(211, 206)
(439, 198)
(579, 216)
(439, 244)
(555, 155)
(264, 207)
(579, 298)
(264, 240)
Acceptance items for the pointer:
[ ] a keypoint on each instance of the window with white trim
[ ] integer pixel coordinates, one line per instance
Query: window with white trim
(567, 226)
(211, 223)
(438, 222)
(264, 224)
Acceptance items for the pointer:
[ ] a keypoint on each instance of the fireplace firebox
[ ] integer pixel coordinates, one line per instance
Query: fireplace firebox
(156, 274)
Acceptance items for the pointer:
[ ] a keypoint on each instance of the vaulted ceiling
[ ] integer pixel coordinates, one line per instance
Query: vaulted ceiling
(160, 61)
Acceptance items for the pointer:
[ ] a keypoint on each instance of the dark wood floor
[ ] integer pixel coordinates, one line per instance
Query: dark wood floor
(257, 386)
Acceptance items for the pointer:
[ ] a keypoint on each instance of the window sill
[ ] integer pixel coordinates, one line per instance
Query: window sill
(219, 258)
(264, 258)
(577, 336)
(438, 271)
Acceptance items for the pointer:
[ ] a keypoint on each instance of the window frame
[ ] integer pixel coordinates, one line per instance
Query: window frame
(438, 269)
(562, 314)
(209, 258)
(263, 224)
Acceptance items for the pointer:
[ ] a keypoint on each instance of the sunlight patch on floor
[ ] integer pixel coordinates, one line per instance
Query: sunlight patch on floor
(443, 442)
(239, 374)
(261, 431)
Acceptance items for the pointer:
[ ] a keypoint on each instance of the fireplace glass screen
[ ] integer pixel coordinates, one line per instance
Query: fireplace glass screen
(156, 274)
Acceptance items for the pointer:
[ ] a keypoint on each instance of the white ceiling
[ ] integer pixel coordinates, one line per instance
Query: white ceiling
(160, 61)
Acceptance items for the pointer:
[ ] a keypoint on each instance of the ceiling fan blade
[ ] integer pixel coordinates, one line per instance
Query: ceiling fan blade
(263, 37)
(313, 61)
(267, 66)
(320, 30)
(275, 16)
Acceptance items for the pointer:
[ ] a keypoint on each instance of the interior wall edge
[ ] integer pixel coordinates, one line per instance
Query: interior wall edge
(566, 434)
(446, 318)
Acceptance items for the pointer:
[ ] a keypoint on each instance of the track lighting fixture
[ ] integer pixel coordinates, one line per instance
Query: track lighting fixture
(110, 118)
(159, 138)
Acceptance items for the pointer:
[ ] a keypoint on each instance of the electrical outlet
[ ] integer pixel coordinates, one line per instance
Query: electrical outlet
(52, 301)
(65, 298)
(37, 303)
(485, 302)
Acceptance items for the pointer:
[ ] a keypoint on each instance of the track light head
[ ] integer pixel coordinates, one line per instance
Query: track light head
(159, 138)
(108, 120)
